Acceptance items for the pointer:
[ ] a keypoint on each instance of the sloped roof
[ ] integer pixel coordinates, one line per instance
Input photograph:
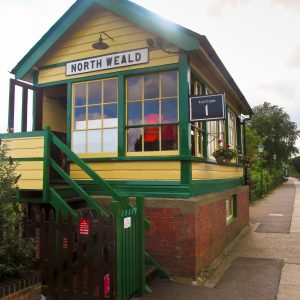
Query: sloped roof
(180, 36)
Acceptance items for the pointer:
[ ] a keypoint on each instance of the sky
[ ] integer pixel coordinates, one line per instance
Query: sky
(257, 40)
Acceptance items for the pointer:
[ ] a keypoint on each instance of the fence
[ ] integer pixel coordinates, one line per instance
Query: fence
(77, 261)
(92, 258)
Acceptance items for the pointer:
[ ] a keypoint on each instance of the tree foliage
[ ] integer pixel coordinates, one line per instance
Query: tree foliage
(278, 133)
(16, 253)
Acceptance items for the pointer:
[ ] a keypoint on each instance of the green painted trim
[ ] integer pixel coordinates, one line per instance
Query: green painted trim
(35, 77)
(204, 127)
(115, 208)
(169, 67)
(156, 158)
(121, 116)
(61, 205)
(186, 172)
(90, 202)
(202, 187)
(178, 35)
(151, 125)
(28, 159)
(84, 167)
(50, 38)
(69, 114)
(22, 134)
(46, 167)
(184, 125)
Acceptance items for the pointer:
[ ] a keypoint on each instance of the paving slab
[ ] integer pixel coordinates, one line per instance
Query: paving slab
(274, 212)
(246, 279)
(289, 288)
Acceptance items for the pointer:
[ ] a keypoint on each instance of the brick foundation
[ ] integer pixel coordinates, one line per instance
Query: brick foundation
(188, 234)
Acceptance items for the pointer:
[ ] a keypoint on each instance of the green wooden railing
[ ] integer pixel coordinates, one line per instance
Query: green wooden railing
(50, 195)
(130, 249)
(130, 221)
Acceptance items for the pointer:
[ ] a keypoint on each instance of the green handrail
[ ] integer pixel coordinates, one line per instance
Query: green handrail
(93, 175)
(78, 189)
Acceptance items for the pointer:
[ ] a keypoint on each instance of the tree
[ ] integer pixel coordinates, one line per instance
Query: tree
(16, 253)
(277, 131)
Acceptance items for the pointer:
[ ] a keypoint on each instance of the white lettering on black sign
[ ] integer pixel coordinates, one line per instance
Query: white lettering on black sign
(110, 61)
(207, 107)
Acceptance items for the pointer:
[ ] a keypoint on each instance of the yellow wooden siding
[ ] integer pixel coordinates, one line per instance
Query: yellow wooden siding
(31, 175)
(202, 171)
(131, 171)
(77, 44)
(31, 171)
(26, 147)
(54, 115)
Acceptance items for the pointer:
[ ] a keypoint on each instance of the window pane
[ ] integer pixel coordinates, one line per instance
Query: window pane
(151, 135)
(110, 115)
(134, 139)
(79, 141)
(134, 113)
(110, 140)
(169, 137)
(80, 118)
(169, 84)
(94, 141)
(151, 86)
(151, 112)
(110, 90)
(95, 92)
(94, 117)
(169, 111)
(134, 88)
(80, 94)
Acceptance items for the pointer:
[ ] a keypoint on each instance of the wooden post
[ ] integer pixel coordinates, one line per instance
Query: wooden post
(11, 105)
(24, 110)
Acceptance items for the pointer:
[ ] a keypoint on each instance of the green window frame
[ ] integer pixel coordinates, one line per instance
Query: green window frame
(152, 113)
(95, 117)
(231, 208)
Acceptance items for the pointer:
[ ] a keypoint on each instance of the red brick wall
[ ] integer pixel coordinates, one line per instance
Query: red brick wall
(185, 242)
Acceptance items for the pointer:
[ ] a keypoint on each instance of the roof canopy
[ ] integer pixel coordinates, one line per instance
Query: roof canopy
(180, 36)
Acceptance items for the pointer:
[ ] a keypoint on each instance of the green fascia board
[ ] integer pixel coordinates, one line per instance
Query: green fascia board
(176, 34)
(50, 38)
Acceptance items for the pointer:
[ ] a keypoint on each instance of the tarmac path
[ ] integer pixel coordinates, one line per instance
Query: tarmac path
(263, 264)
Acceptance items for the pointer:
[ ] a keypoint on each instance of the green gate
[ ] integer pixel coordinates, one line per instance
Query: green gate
(130, 249)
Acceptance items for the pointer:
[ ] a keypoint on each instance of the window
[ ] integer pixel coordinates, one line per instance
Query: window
(231, 208)
(232, 129)
(216, 132)
(152, 112)
(196, 131)
(95, 116)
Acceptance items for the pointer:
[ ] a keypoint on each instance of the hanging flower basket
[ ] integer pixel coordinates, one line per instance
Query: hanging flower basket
(224, 154)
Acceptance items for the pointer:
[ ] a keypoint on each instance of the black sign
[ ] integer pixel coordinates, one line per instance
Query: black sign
(208, 107)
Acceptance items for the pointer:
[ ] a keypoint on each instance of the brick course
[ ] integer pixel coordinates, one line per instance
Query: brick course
(186, 235)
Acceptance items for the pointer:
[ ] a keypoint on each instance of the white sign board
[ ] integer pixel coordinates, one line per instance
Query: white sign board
(127, 222)
(110, 61)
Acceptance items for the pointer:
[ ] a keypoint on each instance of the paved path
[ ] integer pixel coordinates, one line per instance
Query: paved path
(265, 263)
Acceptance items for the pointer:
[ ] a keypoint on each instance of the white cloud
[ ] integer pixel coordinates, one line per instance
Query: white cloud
(294, 59)
(290, 4)
(216, 9)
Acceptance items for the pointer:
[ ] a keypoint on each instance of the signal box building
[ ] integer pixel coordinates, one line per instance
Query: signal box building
(112, 81)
